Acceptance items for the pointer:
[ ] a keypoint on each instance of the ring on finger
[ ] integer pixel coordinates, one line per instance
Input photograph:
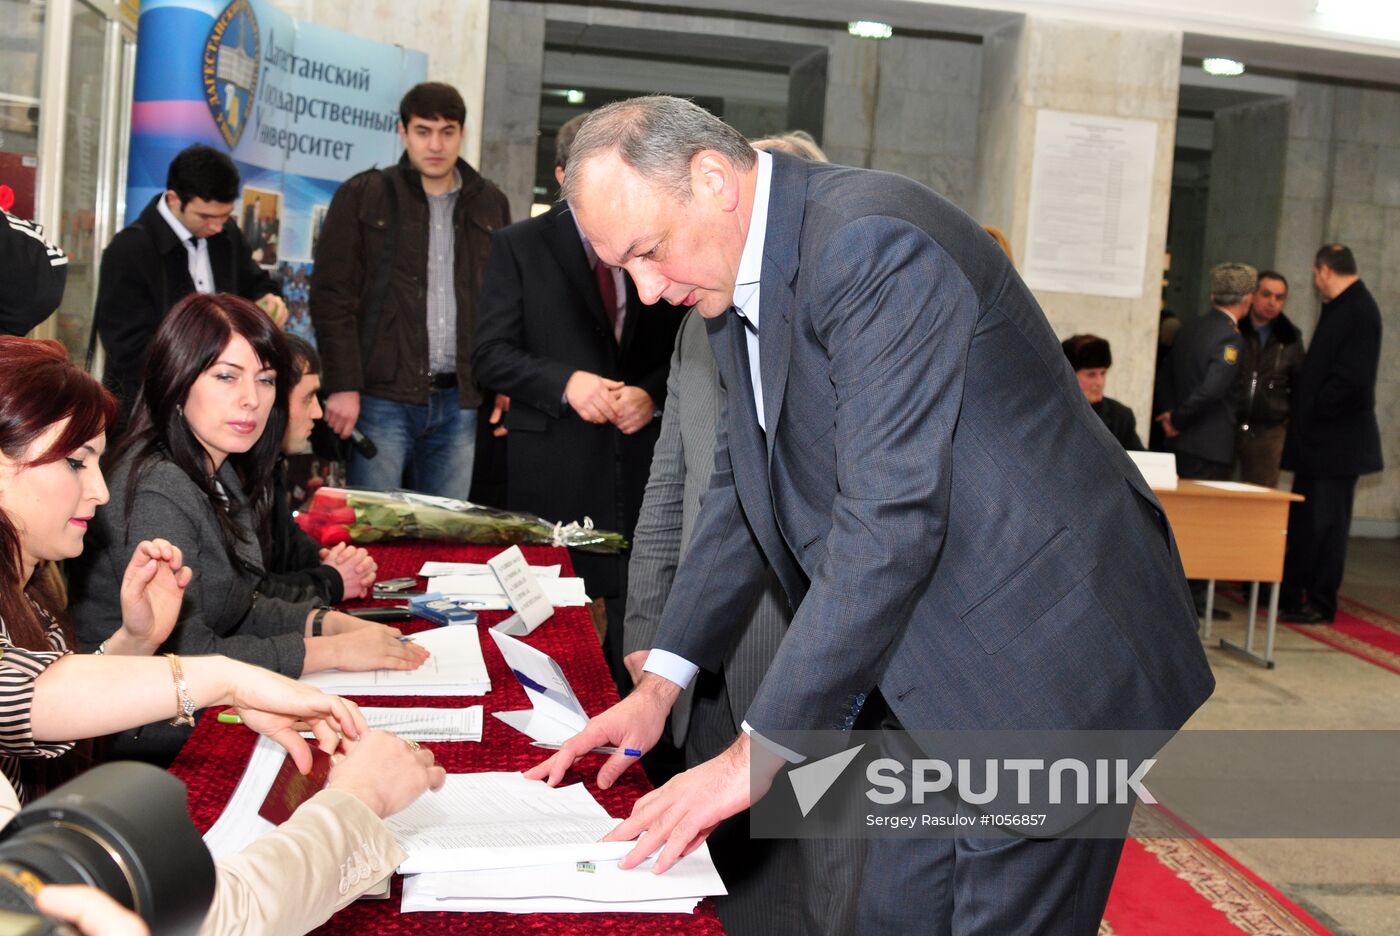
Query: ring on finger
(412, 745)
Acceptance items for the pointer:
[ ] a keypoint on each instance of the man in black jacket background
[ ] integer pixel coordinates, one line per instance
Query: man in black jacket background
(1333, 437)
(586, 376)
(183, 241)
(1271, 353)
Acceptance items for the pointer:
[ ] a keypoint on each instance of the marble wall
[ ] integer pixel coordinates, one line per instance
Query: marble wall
(907, 105)
(1341, 182)
(1059, 65)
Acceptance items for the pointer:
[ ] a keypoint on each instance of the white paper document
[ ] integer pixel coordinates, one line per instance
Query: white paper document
(572, 887)
(555, 714)
(433, 569)
(239, 825)
(486, 593)
(501, 820)
(1239, 486)
(455, 668)
(426, 724)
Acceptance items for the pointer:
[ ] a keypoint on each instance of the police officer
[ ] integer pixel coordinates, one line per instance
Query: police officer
(1203, 369)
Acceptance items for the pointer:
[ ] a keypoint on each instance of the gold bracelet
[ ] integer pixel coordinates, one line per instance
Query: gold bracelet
(184, 705)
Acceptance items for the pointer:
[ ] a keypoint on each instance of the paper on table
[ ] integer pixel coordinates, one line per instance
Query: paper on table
(487, 590)
(693, 876)
(413, 902)
(455, 668)
(239, 825)
(555, 714)
(1233, 486)
(426, 724)
(502, 820)
(433, 569)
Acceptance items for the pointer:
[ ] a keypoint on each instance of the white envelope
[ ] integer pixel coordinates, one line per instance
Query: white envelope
(556, 714)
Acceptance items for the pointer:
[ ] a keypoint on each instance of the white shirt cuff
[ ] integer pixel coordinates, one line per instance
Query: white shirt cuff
(792, 757)
(667, 665)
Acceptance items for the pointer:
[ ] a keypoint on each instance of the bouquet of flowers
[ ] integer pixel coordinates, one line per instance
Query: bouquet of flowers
(348, 515)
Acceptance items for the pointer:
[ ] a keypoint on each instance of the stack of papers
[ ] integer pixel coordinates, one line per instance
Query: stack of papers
(435, 569)
(485, 593)
(1158, 469)
(499, 842)
(428, 724)
(456, 667)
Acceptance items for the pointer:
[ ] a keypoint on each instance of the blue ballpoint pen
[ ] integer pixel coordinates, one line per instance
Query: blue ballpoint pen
(630, 752)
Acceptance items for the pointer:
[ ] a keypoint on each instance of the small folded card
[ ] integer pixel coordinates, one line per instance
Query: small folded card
(291, 787)
(556, 714)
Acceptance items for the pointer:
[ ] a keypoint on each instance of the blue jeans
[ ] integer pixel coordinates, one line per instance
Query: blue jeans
(423, 448)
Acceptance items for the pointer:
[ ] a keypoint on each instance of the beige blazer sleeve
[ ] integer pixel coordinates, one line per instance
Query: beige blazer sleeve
(332, 850)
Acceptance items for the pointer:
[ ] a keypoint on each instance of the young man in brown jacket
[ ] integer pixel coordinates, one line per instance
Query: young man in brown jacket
(397, 270)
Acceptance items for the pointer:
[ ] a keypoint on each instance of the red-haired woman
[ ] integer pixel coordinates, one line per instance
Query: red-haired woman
(195, 467)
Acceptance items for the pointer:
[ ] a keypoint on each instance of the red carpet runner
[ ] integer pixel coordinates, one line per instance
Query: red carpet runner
(1361, 631)
(1174, 886)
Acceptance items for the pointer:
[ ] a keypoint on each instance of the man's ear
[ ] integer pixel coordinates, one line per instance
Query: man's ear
(715, 175)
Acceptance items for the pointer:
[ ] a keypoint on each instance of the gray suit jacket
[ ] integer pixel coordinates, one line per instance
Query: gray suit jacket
(221, 613)
(680, 473)
(951, 522)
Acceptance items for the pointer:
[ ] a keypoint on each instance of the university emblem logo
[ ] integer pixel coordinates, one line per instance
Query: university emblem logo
(229, 68)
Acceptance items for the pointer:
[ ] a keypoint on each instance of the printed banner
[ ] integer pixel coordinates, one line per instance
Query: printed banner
(299, 107)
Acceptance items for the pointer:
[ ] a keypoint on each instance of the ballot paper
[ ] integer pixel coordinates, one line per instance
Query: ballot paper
(1238, 486)
(455, 668)
(434, 569)
(555, 714)
(425, 724)
(240, 825)
(569, 887)
(486, 594)
(501, 820)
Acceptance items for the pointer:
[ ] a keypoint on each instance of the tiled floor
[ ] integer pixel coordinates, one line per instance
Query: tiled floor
(1351, 885)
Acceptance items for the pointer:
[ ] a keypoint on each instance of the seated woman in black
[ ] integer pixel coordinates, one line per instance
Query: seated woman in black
(1091, 358)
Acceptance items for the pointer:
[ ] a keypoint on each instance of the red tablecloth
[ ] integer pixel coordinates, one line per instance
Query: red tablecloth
(213, 760)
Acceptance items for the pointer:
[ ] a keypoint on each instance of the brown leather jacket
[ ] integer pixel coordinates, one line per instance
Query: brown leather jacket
(347, 254)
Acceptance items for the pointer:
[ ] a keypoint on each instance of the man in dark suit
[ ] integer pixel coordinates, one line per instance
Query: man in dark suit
(950, 553)
(583, 362)
(1333, 437)
(183, 241)
(1202, 376)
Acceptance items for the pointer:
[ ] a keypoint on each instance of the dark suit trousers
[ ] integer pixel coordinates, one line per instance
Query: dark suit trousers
(987, 887)
(1318, 530)
(802, 887)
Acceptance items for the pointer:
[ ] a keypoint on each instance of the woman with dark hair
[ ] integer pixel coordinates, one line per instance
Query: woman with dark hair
(1091, 357)
(52, 419)
(195, 467)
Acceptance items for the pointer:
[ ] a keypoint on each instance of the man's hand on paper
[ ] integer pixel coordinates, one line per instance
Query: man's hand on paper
(679, 816)
(636, 722)
(385, 772)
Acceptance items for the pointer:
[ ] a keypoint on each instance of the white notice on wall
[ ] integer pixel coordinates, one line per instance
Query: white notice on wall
(1091, 192)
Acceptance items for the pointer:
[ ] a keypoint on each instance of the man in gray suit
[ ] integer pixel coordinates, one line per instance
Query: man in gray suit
(952, 553)
(804, 886)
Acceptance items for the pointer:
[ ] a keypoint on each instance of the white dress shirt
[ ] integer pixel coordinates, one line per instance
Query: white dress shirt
(201, 271)
(746, 301)
(619, 313)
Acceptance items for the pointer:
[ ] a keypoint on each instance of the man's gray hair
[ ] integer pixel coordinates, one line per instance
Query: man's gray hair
(1231, 282)
(657, 136)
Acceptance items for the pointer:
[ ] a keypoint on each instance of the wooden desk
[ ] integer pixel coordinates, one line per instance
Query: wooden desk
(1236, 533)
